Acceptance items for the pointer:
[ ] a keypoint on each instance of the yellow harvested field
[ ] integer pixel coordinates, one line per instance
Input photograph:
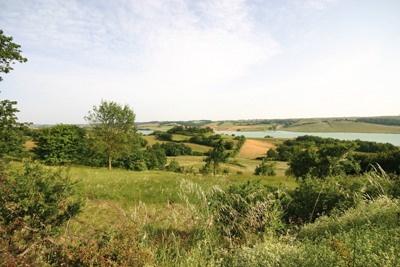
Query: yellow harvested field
(29, 145)
(255, 148)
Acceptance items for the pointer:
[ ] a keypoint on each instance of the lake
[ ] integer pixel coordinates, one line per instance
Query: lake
(374, 137)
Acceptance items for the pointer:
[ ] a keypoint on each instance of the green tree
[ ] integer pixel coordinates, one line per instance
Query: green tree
(266, 169)
(9, 52)
(217, 155)
(113, 128)
(12, 137)
(60, 144)
(329, 159)
(155, 157)
(272, 154)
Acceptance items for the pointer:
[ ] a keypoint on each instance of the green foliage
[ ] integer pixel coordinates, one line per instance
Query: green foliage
(155, 157)
(229, 145)
(189, 130)
(176, 149)
(201, 139)
(329, 159)
(286, 152)
(173, 165)
(217, 156)
(246, 208)
(197, 153)
(306, 141)
(206, 169)
(33, 205)
(113, 128)
(382, 121)
(226, 171)
(272, 154)
(242, 140)
(12, 137)
(135, 161)
(60, 144)
(266, 169)
(166, 136)
(317, 197)
(9, 52)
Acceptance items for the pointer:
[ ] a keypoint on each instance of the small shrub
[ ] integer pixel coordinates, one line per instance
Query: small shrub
(34, 204)
(206, 169)
(272, 154)
(226, 171)
(197, 153)
(317, 197)
(266, 169)
(173, 165)
(246, 208)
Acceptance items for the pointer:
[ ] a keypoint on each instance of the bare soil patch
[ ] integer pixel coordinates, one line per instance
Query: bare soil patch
(254, 149)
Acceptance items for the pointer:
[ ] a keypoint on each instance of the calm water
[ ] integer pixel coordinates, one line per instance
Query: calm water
(375, 137)
(380, 138)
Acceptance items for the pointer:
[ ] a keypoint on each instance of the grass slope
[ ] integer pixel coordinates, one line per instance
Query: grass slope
(343, 126)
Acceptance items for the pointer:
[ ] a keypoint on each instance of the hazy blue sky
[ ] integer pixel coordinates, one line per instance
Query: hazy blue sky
(187, 60)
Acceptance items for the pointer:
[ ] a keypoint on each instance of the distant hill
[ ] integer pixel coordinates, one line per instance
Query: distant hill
(379, 124)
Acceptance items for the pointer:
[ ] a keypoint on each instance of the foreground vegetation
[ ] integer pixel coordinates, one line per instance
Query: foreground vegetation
(159, 218)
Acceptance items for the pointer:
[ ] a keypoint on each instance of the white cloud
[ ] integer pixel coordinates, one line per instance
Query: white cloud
(316, 4)
(181, 59)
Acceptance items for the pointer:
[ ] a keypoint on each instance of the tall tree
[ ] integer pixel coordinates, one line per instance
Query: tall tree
(328, 159)
(113, 127)
(60, 144)
(12, 136)
(217, 155)
(9, 52)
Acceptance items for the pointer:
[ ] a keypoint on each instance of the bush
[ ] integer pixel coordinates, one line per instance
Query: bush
(246, 208)
(317, 197)
(272, 154)
(60, 144)
(155, 157)
(206, 169)
(176, 149)
(173, 165)
(197, 153)
(266, 169)
(226, 171)
(33, 206)
(229, 145)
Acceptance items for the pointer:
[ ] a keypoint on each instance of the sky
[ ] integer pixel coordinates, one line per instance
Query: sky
(173, 60)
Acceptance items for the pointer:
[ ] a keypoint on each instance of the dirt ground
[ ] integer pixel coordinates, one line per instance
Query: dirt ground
(253, 149)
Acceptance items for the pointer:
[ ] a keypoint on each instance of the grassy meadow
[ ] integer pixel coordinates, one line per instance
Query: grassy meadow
(179, 221)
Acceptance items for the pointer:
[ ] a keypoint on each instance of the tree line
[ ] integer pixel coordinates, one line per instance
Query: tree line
(190, 130)
(320, 157)
(382, 121)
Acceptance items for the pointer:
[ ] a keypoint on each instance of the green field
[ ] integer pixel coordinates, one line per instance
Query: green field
(343, 127)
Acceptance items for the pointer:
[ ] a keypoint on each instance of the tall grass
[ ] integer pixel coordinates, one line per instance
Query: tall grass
(191, 220)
